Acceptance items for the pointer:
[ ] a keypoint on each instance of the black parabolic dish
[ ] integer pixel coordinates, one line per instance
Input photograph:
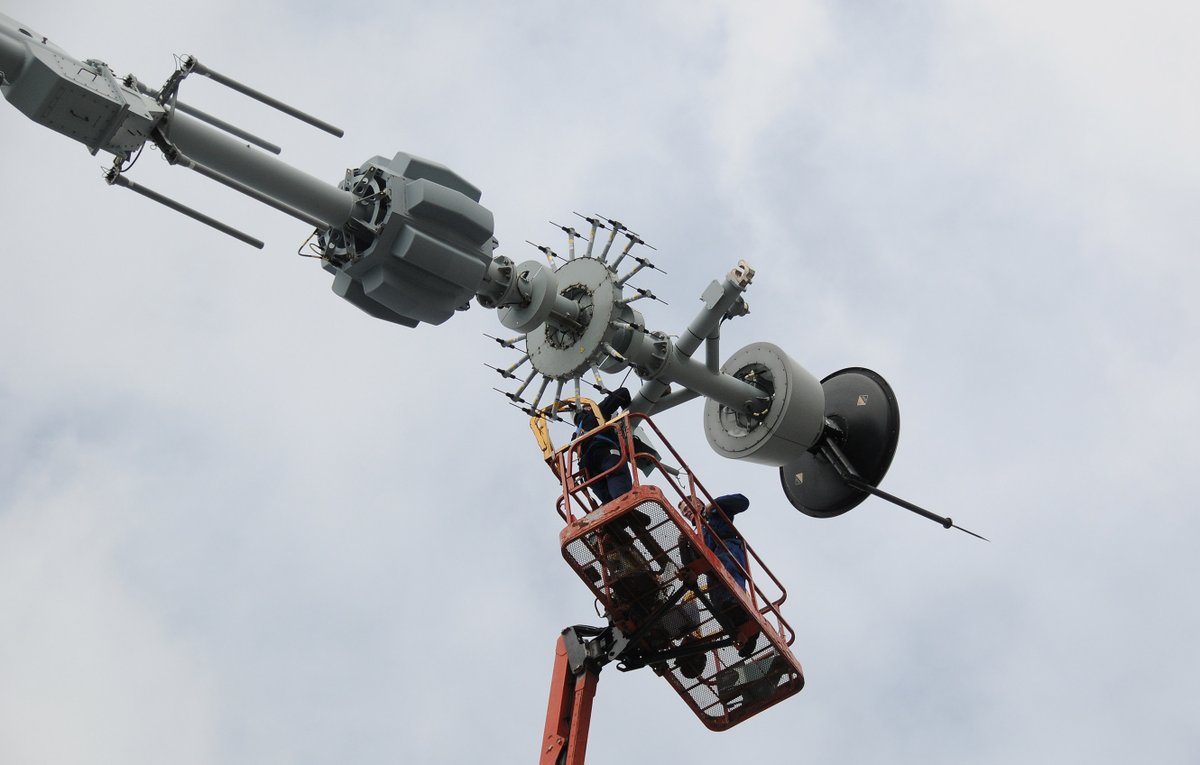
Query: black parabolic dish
(863, 405)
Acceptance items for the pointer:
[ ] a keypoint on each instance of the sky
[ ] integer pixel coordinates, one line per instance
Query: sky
(242, 522)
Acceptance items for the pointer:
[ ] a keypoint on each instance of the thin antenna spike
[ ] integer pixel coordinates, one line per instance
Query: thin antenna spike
(641, 293)
(972, 533)
(617, 225)
(600, 388)
(526, 409)
(642, 241)
(509, 343)
(648, 264)
(510, 396)
(578, 399)
(846, 471)
(549, 253)
(571, 234)
(508, 373)
(502, 372)
(599, 384)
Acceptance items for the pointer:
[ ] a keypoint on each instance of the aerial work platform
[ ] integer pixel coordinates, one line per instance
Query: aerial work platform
(671, 602)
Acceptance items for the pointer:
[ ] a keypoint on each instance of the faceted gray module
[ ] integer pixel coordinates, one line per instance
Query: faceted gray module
(424, 249)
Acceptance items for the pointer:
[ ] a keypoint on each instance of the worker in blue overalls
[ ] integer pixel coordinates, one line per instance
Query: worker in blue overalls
(727, 544)
(720, 526)
(602, 450)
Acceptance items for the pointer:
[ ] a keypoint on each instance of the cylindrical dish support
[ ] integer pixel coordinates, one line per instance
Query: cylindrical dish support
(792, 423)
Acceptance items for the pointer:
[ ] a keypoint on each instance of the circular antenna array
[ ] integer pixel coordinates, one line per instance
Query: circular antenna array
(572, 314)
(863, 419)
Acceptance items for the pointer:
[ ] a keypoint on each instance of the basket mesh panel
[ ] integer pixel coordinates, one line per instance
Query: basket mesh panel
(634, 558)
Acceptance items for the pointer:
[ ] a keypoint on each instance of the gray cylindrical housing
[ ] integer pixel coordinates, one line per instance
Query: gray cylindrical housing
(792, 424)
(539, 287)
(271, 176)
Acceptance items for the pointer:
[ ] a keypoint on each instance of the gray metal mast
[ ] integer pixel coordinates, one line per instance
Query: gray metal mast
(407, 241)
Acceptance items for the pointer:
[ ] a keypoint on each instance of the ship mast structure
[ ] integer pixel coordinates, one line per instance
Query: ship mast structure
(407, 241)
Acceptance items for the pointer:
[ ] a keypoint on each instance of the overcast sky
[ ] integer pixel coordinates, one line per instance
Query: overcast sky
(242, 522)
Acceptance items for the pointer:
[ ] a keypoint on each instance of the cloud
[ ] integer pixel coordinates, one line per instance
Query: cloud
(242, 521)
(93, 672)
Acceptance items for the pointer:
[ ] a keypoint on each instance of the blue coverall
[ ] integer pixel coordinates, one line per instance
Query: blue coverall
(602, 451)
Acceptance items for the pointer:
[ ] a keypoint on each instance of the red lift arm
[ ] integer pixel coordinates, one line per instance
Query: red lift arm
(569, 713)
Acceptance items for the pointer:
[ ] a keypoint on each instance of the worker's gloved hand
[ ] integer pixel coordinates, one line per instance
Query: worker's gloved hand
(622, 396)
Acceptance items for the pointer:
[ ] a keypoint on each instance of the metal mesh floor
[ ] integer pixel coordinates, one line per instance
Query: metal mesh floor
(650, 571)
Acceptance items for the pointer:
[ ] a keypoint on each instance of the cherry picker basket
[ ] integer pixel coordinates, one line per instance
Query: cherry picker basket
(677, 607)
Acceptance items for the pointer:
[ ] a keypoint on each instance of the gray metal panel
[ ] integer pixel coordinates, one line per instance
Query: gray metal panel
(81, 100)
(441, 204)
(451, 264)
(351, 290)
(412, 168)
(424, 278)
(560, 353)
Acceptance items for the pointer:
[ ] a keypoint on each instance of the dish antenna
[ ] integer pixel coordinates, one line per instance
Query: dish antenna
(862, 427)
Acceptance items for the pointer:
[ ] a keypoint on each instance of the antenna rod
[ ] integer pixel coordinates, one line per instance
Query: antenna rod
(275, 103)
(216, 122)
(946, 522)
(837, 458)
(116, 179)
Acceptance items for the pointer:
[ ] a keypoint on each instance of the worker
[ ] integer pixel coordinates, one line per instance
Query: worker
(602, 451)
(720, 526)
(726, 542)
